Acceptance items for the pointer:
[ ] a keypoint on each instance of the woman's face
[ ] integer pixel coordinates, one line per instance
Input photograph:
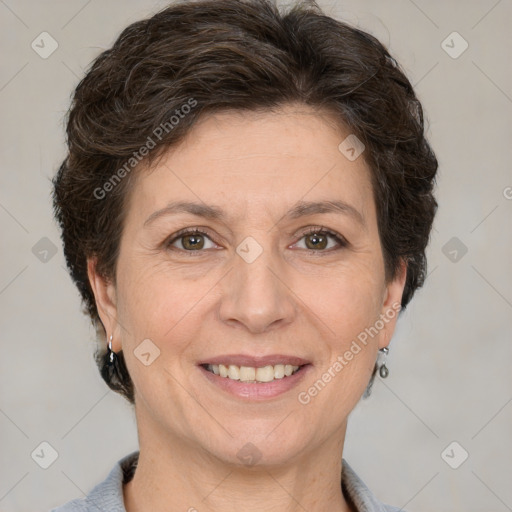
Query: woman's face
(253, 289)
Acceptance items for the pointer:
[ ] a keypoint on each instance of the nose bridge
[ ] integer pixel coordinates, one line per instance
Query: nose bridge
(254, 293)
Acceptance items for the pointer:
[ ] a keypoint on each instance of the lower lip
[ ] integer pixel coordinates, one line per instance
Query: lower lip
(258, 391)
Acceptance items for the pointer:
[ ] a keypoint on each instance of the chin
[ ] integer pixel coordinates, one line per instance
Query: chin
(262, 447)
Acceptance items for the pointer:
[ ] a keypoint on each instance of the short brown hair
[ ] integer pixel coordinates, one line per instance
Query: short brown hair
(245, 55)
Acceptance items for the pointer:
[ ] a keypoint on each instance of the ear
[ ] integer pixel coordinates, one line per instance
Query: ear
(105, 295)
(392, 304)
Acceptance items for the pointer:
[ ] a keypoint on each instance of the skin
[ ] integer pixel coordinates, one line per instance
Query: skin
(290, 300)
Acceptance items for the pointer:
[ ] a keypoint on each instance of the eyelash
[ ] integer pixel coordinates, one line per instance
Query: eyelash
(318, 230)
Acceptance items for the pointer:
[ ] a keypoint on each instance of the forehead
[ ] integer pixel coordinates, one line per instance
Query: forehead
(254, 163)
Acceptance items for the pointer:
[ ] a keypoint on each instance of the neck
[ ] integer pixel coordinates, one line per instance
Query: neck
(177, 475)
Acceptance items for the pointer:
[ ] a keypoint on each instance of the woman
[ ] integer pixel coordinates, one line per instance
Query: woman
(245, 208)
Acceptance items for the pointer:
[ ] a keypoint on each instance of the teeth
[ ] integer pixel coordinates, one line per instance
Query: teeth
(233, 372)
(250, 374)
(265, 374)
(279, 371)
(247, 373)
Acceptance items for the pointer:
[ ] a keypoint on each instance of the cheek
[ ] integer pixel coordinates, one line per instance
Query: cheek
(349, 307)
(159, 304)
(349, 298)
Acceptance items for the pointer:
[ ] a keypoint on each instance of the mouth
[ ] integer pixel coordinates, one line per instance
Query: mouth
(252, 374)
(255, 378)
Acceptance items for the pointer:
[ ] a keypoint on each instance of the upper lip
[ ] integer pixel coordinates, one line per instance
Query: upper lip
(255, 361)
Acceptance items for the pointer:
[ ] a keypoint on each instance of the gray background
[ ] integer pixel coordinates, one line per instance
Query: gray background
(450, 359)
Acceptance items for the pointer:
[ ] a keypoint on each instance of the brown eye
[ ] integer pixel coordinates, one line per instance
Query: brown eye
(316, 241)
(192, 242)
(322, 240)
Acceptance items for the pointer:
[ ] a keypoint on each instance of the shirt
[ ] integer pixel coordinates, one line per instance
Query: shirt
(107, 496)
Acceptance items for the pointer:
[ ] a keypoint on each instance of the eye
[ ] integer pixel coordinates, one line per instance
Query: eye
(190, 240)
(317, 239)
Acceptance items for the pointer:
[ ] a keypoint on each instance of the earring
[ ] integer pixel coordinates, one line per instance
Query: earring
(383, 370)
(114, 372)
(112, 356)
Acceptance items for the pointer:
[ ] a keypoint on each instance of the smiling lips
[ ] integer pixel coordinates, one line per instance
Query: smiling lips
(252, 374)
(254, 369)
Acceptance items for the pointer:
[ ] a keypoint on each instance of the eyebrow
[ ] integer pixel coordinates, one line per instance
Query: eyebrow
(300, 209)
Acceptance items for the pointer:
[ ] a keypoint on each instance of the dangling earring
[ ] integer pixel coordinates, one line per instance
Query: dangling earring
(112, 356)
(383, 369)
(111, 365)
(114, 372)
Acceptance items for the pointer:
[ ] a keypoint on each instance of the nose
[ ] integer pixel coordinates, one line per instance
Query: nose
(255, 295)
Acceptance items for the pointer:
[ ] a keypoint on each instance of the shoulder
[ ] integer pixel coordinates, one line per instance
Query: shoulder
(356, 491)
(107, 495)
